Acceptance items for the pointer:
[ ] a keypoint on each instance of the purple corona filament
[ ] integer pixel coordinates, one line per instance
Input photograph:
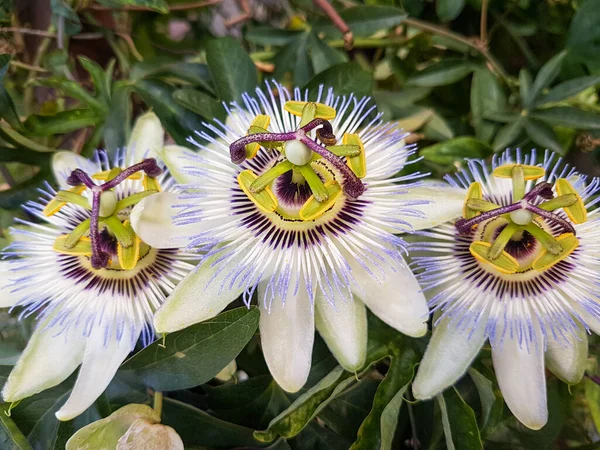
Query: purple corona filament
(99, 258)
(353, 187)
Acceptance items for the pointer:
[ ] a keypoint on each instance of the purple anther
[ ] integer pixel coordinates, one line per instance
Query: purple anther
(464, 226)
(353, 187)
(552, 217)
(99, 258)
(237, 150)
(149, 166)
(79, 177)
(542, 189)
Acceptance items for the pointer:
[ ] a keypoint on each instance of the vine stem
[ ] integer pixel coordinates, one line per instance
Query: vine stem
(474, 44)
(158, 402)
(179, 7)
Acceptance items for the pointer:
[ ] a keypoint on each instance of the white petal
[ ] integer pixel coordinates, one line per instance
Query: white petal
(444, 203)
(287, 334)
(567, 360)
(200, 296)
(8, 298)
(449, 354)
(179, 160)
(100, 363)
(344, 328)
(397, 299)
(152, 220)
(147, 137)
(47, 361)
(521, 377)
(63, 163)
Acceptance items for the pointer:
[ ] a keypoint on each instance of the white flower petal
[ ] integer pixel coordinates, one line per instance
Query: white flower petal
(179, 160)
(567, 360)
(521, 377)
(449, 354)
(200, 296)
(344, 328)
(445, 203)
(63, 163)
(47, 360)
(152, 220)
(287, 334)
(147, 137)
(397, 300)
(100, 363)
(8, 298)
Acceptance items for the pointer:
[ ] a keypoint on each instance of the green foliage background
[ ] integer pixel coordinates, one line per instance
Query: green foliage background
(468, 77)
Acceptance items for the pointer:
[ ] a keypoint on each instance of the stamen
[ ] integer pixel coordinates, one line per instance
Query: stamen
(475, 192)
(261, 121)
(559, 202)
(77, 233)
(129, 256)
(357, 163)
(504, 263)
(503, 238)
(56, 205)
(99, 258)
(270, 175)
(568, 243)
(478, 205)
(529, 172)
(321, 111)
(264, 199)
(544, 238)
(576, 212)
(518, 182)
(314, 182)
(82, 248)
(313, 208)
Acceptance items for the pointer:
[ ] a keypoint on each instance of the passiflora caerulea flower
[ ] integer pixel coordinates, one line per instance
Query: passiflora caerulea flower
(81, 266)
(521, 269)
(300, 202)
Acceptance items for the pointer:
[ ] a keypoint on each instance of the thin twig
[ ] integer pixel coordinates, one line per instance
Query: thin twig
(483, 23)
(8, 178)
(22, 65)
(179, 7)
(473, 44)
(337, 21)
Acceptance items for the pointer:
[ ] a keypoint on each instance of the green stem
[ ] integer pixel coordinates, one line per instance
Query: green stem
(473, 44)
(158, 402)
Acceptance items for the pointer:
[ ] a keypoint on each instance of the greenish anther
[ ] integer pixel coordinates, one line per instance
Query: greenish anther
(344, 150)
(134, 199)
(500, 242)
(477, 204)
(544, 238)
(123, 235)
(561, 201)
(72, 197)
(518, 183)
(309, 113)
(314, 182)
(77, 234)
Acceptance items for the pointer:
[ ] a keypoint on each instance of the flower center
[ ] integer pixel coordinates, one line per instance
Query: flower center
(520, 236)
(105, 233)
(301, 155)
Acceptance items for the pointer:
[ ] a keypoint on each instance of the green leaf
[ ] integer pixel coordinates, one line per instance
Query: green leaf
(200, 103)
(364, 20)
(196, 354)
(345, 79)
(179, 122)
(543, 135)
(18, 140)
(99, 77)
(24, 191)
(252, 403)
(190, 72)
(232, 70)
(267, 35)
(22, 155)
(197, 427)
(437, 128)
(346, 413)
(460, 424)
(568, 116)
(62, 9)
(501, 116)
(568, 89)
(316, 437)
(592, 397)
(441, 73)
(448, 10)
(448, 152)
(583, 38)
(490, 398)
(486, 95)
(524, 84)
(117, 125)
(544, 78)
(322, 55)
(74, 90)
(293, 59)
(291, 421)
(105, 433)
(377, 431)
(62, 122)
(11, 437)
(160, 6)
(7, 106)
(508, 134)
